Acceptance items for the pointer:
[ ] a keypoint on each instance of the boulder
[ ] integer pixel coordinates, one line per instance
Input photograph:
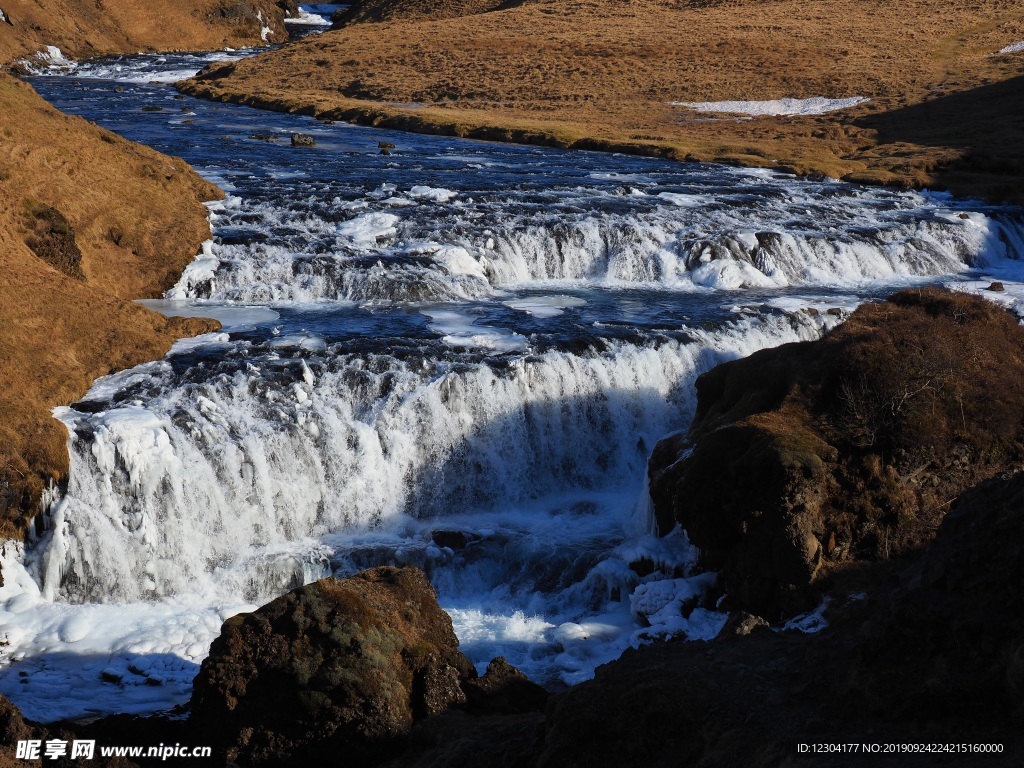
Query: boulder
(951, 636)
(503, 690)
(809, 456)
(338, 667)
(303, 140)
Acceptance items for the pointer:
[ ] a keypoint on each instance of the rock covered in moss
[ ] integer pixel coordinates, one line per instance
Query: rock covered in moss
(847, 448)
(335, 668)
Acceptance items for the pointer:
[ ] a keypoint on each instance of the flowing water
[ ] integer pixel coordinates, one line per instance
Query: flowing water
(458, 355)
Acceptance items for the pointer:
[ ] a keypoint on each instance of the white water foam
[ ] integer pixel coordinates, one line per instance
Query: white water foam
(687, 242)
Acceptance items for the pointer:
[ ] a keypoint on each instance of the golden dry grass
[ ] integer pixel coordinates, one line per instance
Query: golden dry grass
(82, 28)
(138, 221)
(602, 74)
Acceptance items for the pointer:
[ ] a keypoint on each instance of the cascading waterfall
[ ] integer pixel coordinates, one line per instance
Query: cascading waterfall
(405, 257)
(458, 356)
(283, 445)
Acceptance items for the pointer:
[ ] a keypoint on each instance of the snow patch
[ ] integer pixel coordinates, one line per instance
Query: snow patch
(1015, 48)
(545, 306)
(816, 105)
(265, 31)
(369, 227)
(434, 194)
(458, 330)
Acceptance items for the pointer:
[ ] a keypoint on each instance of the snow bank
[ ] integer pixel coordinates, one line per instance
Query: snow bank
(816, 105)
(1015, 48)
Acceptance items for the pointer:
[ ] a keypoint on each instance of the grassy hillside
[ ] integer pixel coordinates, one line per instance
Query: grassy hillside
(82, 28)
(88, 221)
(362, 11)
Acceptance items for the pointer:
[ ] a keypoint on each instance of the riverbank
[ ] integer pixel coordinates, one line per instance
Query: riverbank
(944, 107)
(89, 222)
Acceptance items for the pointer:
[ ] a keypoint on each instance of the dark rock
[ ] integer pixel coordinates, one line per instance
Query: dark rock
(52, 238)
(303, 140)
(263, 136)
(458, 740)
(118, 89)
(643, 567)
(386, 152)
(454, 540)
(152, 109)
(995, 286)
(743, 623)
(503, 690)
(334, 668)
(828, 442)
(216, 71)
(952, 634)
(385, 145)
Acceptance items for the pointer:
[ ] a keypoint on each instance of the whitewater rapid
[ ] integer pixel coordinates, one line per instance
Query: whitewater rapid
(457, 356)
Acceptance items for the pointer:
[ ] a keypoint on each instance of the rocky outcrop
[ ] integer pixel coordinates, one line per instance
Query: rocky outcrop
(343, 667)
(935, 658)
(52, 238)
(810, 456)
(950, 638)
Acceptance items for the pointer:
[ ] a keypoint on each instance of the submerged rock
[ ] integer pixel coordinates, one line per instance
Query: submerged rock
(303, 140)
(848, 448)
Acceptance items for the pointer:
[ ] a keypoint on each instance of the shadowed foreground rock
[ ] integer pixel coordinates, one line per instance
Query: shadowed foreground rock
(934, 658)
(808, 457)
(342, 668)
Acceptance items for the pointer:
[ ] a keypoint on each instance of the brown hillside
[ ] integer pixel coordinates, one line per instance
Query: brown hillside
(362, 11)
(82, 28)
(946, 109)
(88, 221)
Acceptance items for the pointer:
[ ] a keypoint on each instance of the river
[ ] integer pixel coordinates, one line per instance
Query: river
(452, 354)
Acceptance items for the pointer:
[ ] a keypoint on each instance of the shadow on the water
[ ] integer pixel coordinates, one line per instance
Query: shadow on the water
(90, 684)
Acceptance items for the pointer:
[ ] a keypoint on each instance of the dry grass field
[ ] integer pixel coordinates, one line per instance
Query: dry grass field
(88, 221)
(946, 109)
(82, 28)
